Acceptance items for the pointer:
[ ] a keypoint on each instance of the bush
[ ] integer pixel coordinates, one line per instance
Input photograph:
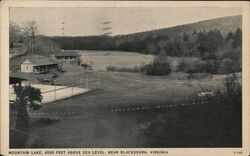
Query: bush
(123, 69)
(230, 96)
(233, 91)
(209, 66)
(158, 67)
(182, 66)
(228, 65)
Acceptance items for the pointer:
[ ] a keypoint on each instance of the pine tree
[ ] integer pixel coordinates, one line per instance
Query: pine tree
(237, 38)
(27, 97)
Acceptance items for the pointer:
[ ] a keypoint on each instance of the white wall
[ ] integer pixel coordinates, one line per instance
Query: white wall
(27, 68)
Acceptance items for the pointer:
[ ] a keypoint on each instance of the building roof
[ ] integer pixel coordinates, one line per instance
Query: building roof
(15, 78)
(40, 60)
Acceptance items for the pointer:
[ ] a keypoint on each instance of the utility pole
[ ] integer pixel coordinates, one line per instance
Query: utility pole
(63, 28)
(107, 28)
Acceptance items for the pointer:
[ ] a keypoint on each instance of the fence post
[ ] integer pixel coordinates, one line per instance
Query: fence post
(87, 77)
(72, 86)
(98, 83)
(55, 90)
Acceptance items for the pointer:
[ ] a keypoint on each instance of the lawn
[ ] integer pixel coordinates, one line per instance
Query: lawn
(123, 89)
(178, 126)
(189, 126)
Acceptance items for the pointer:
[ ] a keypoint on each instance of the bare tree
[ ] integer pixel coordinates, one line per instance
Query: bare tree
(15, 32)
(31, 30)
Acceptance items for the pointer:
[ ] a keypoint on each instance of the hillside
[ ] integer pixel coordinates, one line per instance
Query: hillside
(127, 42)
(218, 42)
(224, 24)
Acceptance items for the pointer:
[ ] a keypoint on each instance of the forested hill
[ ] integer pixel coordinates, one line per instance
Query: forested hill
(173, 41)
(224, 24)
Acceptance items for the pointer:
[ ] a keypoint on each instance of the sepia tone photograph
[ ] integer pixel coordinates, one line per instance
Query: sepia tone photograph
(125, 77)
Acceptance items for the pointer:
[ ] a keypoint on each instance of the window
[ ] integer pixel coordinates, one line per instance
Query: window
(27, 68)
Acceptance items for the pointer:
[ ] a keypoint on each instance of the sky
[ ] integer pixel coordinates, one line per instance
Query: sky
(83, 21)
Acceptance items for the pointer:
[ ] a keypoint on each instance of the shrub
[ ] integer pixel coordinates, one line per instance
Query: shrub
(158, 67)
(209, 66)
(225, 66)
(123, 69)
(182, 66)
(228, 65)
(233, 91)
(230, 96)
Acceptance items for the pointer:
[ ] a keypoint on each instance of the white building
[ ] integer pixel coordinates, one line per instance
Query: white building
(39, 64)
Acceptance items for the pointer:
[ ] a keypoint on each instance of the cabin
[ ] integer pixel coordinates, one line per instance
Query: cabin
(69, 56)
(39, 64)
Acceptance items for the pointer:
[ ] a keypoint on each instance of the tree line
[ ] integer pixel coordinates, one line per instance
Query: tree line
(28, 35)
(219, 54)
(196, 43)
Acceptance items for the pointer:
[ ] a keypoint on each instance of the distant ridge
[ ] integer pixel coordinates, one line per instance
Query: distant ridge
(141, 41)
(224, 24)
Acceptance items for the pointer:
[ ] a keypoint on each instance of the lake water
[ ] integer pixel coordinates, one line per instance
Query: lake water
(101, 59)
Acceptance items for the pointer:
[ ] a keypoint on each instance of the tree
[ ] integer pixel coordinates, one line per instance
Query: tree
(202, 42)
(152, 48)
(178, 47)
(31, 30)
(234, 92)
(185, 37)
(226, 66)
(14, 33)
(209, 43)
(169, 48)
(229, 36)
(27, 97)
(158, 67)
(45, 46)
(215, 40)
(237, 38)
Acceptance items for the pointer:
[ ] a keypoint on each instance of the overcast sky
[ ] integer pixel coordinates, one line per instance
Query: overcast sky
(89, 21)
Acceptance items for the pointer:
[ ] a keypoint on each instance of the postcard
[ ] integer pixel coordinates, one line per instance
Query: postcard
(125, 78)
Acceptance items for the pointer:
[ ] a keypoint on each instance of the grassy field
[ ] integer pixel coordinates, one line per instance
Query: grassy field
(101, 59)
(191, 126)
(194, 126)
(131, 129)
